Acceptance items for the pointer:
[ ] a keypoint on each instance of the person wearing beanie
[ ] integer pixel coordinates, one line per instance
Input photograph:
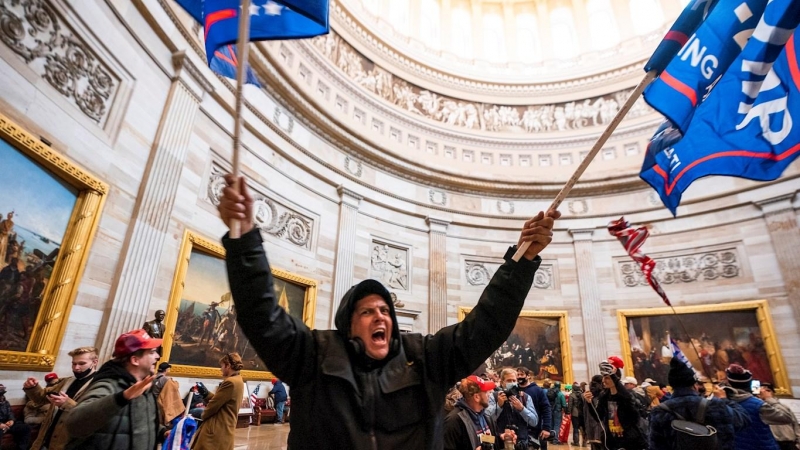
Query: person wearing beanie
(382, 389)
(726, 416)
(616, 411)
(758, 435)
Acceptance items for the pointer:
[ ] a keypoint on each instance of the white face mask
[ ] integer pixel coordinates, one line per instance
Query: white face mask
(510, 385)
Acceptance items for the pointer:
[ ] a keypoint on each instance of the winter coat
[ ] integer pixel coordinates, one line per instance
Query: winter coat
(542, 406)
(788, 432)
(460, 432)
(60, 435)
(576, 404)
(279, 391)
(758, 435)
(168, 396)
(726, 416)
(104, 420)
(392, 403)
(220, 416)
(632, 435)
(592, 428)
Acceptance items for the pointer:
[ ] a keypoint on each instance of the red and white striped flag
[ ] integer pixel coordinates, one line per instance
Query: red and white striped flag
(254, 395)
(632, 240)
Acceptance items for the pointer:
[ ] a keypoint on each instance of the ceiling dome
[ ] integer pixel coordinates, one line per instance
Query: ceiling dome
(517, 41)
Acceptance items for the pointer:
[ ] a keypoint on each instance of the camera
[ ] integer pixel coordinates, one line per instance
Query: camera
(513, 391)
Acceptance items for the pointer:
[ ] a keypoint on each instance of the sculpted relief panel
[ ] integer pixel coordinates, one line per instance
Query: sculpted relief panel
(36, 31)
(694, 267)
(271, 216)
(389, 265)
(573, 115)
(479, 273)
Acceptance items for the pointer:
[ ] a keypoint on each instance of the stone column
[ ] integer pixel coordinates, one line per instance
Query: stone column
(580, 17)
(349, 202)
(437, 274)
(446, 29)
(622, 12)
(591, 311)
(141, 253)
(785, 234)
(510, 32)
(477, 30)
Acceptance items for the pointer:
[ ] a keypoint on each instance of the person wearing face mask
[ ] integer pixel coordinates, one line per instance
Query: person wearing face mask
(53, 433)
(541, 431)
(512, 406)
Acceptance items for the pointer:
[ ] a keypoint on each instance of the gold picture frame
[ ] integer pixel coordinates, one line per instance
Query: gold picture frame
(58, 295)
(762, 320)
(567, 375)
(194, 242)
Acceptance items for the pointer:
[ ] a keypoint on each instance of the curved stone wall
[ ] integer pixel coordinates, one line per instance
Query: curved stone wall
(337, 196)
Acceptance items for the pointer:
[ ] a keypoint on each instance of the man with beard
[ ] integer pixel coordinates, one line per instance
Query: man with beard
(118, 411)
(468, 426)
(53, 433)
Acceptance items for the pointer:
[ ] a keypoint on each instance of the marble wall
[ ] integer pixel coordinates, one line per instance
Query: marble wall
(165, 136)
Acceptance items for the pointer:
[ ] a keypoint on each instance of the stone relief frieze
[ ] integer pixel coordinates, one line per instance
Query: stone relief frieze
(35, 31)
(389, 265)
(283, 120)
(270, 216)
(694, 267)
(479, 273)
(597, 111)
(578, 206)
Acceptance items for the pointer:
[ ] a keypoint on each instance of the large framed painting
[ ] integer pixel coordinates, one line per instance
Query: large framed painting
(49, 211)
(714, 337)
(539, 341)
(201, 322)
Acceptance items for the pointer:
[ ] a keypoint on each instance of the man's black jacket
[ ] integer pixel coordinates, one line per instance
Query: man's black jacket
(341, 401)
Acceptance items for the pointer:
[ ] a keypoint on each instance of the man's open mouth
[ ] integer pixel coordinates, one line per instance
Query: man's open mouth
(379, 336)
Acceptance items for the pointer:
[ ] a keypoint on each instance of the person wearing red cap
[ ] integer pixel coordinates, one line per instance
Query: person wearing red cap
(468, 425)
(53, 433)
(118, 410)
(279, 397)
(382, 388)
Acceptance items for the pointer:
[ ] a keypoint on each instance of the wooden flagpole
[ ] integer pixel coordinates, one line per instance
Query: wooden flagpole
(241, 73)
(637, 92)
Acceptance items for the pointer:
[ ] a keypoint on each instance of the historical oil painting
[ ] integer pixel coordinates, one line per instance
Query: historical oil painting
(204, 315)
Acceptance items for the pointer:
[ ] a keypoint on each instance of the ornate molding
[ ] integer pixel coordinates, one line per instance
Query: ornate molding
(389, 263)
(578, 207)
(283, 120)
(480, 272)
(426, 63)
(353, 166)
(38, 33)
(437, 197)
(505, 207)
(692, 267)
(531, 119)
(270, 216)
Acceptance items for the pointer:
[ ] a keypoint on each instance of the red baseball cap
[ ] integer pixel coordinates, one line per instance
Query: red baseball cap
(484, 386)
(616, 361)
(133, 341)
(50, 377)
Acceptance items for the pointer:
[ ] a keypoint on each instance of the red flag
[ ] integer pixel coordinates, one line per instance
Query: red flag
(632, 240)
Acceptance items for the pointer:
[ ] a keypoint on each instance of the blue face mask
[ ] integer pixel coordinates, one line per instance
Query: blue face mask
(510, 385)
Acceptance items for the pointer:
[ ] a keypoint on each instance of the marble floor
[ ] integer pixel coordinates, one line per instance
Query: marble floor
(273, 437)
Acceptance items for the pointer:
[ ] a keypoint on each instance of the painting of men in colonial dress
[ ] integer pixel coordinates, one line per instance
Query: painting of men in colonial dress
(35, 209)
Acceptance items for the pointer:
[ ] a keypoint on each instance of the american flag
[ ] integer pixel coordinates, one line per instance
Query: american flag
(632, 240)
(676, 351)
(254, 395)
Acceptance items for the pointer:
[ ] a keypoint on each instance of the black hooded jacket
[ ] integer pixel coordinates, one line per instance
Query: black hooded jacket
(342, 399)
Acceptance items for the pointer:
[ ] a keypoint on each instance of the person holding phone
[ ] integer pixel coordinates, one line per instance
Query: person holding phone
(61, 395)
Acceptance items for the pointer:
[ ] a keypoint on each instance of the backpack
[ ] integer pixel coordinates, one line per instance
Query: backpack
(641, 405)
(551, 396)
(693, 434)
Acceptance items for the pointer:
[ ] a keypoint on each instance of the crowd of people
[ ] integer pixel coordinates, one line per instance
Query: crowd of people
(614, 412)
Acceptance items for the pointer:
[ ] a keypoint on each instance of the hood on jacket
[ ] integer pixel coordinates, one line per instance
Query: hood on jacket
(114, 371)
(344, 315)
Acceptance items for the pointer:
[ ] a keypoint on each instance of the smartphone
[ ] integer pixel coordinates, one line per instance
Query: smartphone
(756, 387)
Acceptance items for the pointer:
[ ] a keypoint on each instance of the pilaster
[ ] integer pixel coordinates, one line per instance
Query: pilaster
(437, 279)
(349, 203)
(591, 310)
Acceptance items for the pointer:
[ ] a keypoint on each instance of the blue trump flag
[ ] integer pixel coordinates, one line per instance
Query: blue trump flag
(288, 19)
(684, 26)
(748, 126)
(708, 53)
